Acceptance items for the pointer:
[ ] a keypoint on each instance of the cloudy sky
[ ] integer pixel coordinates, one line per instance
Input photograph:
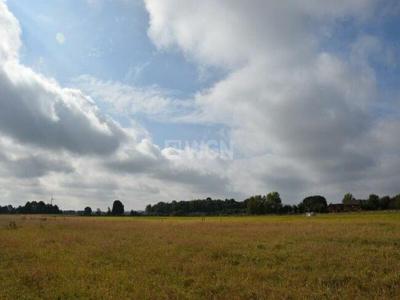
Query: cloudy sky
(149, 101)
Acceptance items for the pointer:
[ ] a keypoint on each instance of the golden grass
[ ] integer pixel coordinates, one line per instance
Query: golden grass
(291, 257)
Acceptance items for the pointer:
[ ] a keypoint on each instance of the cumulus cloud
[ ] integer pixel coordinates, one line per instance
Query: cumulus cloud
(10, 33)
(15, 162)
(201, 175)
(36, 110)
(301, 117)
(234, 32)
(290, 104)
(55, 140)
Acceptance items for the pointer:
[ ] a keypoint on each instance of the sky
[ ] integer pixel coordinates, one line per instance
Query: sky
(148, 101)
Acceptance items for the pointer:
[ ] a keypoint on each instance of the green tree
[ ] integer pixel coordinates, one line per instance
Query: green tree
(149, 209)
(87, 211)
(384, 202)
(255, 205)
(348, 199)
(373, 202)
(395, 202)
(315, 204)
(117, 208)
(273, 204)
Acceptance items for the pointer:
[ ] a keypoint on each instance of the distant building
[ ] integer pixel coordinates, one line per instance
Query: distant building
(335, 208)
(354, 205)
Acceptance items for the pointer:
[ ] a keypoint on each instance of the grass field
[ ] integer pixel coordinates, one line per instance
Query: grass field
(328, 256)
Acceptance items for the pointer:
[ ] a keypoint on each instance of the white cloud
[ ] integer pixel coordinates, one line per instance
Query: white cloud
(131, 100)
(290, 105)
(301, 118)
(55, 140)
(9, 32)
(36, 110)
(234, 32)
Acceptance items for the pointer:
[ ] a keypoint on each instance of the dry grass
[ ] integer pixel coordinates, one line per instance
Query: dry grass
(337, 256)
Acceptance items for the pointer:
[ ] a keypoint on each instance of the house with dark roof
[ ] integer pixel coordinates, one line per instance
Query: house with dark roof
(353, 205)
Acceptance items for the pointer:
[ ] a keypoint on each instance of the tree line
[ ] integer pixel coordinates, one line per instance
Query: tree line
(31, 208)
(270, 203)
(43, 208)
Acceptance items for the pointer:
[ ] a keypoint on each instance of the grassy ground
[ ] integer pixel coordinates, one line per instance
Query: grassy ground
(332, 256)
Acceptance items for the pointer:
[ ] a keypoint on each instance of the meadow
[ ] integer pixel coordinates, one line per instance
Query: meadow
(333, 256)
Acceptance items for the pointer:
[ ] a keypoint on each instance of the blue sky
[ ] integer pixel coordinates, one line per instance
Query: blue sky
(108, 40)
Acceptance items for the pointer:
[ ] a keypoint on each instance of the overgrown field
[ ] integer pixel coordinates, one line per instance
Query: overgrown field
(328, 256)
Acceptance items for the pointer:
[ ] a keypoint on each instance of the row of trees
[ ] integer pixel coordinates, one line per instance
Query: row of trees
(43, 208)
(271, 203)
(255, 205)
(268, 204)
(197, 207)
(374, 202)
(31, 208)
